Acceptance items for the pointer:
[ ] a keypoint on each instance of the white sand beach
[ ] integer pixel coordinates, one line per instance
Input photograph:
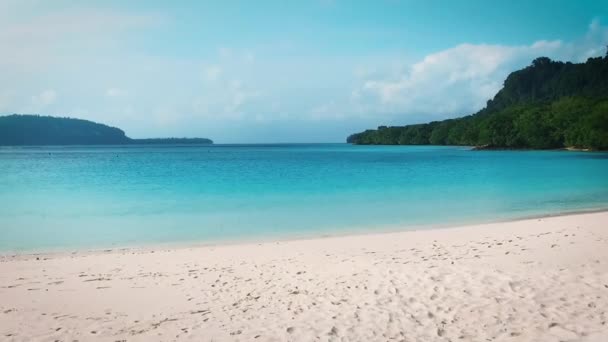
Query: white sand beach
(531, 280)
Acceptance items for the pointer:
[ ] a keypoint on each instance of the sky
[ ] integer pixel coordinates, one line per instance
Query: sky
(277, 71)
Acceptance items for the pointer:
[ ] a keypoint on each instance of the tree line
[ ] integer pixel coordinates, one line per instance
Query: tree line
(18, 130)
(546, 105)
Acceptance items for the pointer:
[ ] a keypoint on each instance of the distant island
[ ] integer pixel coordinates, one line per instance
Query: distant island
(547, 105)
(23, 130)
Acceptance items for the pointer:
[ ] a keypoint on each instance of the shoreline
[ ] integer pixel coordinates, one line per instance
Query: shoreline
(385, 229)
(496, 148)
(541, 279)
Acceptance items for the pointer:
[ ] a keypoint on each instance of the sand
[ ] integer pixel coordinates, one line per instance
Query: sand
(530, 280)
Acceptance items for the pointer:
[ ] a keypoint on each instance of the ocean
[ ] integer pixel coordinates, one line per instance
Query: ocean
(89, 197)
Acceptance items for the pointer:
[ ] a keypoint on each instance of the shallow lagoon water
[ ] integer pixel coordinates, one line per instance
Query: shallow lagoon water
(80, 197)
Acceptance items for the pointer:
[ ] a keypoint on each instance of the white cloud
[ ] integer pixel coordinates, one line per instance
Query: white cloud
(115, 92)
(44, 99)
(224, 52)
(330, 110)
(212, 73)
(458, 79)
(5, 101)
(238, 96)
(248, 57)
(36, 42)
(461, 79)
(230, 100)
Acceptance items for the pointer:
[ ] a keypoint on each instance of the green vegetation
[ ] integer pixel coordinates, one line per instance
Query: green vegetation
(543, 106)
(47, 130)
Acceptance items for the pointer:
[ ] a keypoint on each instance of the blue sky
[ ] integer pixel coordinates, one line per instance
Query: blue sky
(277, 71)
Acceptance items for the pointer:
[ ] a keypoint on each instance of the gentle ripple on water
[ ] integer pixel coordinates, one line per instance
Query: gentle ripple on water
(84, 197)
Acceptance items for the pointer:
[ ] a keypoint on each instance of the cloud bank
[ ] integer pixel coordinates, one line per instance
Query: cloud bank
(460, 80)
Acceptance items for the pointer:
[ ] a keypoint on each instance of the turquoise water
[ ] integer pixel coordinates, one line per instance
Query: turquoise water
(95, 197)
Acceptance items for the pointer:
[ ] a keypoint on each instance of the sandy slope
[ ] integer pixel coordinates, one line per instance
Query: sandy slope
(532, 280)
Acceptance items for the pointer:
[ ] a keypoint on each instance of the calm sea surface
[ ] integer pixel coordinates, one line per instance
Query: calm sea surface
(97, 197)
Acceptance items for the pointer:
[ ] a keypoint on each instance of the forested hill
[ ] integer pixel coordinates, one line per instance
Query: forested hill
(546, 105)
(18, 130)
